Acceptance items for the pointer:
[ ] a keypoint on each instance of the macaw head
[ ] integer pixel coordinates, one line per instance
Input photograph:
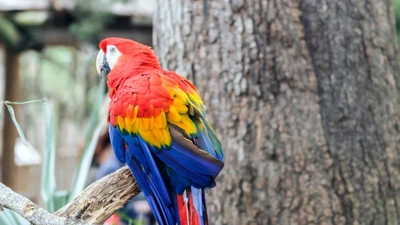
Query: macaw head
(112, 50)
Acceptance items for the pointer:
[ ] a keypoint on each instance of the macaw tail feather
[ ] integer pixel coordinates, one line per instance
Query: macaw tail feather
(192, 207)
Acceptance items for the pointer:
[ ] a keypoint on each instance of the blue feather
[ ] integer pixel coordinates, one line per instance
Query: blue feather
(197, 195)
(142, 164)
(196, 161)
(178, 182)
(154, 174)
(151, 196)
(117, 143)
(214, 146)
(196, 179)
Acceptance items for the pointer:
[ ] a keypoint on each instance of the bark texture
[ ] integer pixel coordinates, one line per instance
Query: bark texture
(103, 198)
(31, 211)
(305, 98)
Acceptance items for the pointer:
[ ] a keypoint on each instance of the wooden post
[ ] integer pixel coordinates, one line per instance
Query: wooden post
(12, 93)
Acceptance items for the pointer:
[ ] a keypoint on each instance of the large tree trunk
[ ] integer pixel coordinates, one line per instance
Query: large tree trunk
(304, 96)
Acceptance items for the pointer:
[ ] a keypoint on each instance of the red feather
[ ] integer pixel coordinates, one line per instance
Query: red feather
(186, 211)
(194, 217)
(182, 210)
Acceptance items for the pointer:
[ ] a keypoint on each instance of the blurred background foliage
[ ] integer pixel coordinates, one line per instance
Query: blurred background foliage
(90, 23)
(66, 127)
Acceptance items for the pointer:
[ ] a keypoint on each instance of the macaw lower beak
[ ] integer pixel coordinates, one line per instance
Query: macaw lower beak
(102, 66)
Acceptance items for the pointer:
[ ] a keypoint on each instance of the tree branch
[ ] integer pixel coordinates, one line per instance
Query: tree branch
(102, 198)
(30, 211)
(93, 206)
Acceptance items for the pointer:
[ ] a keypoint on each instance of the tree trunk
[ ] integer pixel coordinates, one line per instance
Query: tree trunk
(304, 96)
(10, 133)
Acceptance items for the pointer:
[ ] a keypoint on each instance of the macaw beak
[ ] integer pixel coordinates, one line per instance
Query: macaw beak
(102, 66)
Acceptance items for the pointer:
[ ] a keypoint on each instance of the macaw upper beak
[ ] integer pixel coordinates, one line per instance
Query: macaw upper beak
(102, 66)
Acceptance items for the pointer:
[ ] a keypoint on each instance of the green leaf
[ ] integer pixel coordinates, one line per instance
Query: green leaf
(17, 218)
(22, 103)
(30, 18)
(14, 119)
(8, 32)
(60, 199)
(6, 218)
(11, 218)
(123, 215)
(48, 182)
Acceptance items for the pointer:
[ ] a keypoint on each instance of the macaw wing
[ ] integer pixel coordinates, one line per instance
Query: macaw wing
(148, 176)
(161, 122)
(167, 113)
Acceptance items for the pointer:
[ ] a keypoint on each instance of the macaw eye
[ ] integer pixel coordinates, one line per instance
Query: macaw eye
(112, 49)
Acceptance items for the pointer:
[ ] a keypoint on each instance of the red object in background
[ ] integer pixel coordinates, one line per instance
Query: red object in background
(113, 220)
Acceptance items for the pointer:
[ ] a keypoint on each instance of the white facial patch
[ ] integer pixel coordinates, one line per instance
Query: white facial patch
(112, 55)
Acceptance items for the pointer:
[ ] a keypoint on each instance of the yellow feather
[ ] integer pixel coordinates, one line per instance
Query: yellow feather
(135, 112)
(159, 135)
(180, 106)
(178, 101)
(191, 110)
(128, 124)
(158, 121)
(135, 126)
(173, 115)
(163, 120)
(140, 124)
(167, 137)
(121, 122)
(181, 95)
(148, 136)
(130, 120)
(195, 98)
(133, 121)
(184, 127)
(151, 123)
(145, 124)
(190, 126)
(196, 105)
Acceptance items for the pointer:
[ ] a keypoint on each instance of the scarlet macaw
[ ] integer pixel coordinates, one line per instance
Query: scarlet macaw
(159, 128)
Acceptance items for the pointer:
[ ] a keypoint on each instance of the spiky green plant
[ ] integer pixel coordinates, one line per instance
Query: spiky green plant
(53, 199)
